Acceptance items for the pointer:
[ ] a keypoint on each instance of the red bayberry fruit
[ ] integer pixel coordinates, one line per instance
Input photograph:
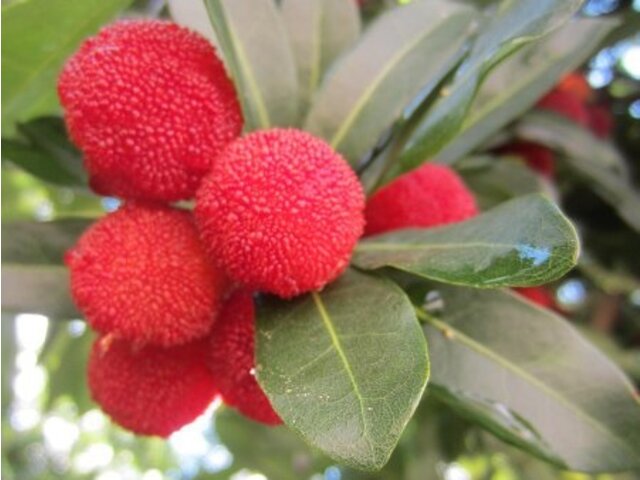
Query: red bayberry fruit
(600, 121)
(141, 273)
(150, 105)
(538, 295)
(231, 360)
(281, 211)
(565, 104)
(577, 85)
(150, 390)
(536, 156)
(430, 196)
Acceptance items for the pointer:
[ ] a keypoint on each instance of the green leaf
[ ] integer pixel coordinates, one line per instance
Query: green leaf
(408, 50)
(34, 278)
(495, 180)
(345, 368)
(319, 31)
(37, 37)
(529, 377)
(518, 83)
(513, 24)
(257, 52)
(591, 158)
(526, 241)
(46, 152)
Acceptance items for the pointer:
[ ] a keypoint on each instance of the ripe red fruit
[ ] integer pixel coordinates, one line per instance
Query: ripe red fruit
(430, 196)
(536, 156)
(538, 295)
(566, 104)
(600, 121)
(231, 360)
(150, 105)
(281, 211)
(142, 274)
(150, 390)
(576, 84)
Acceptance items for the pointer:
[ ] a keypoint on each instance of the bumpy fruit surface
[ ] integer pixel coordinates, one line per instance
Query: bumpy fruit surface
(281, 211)
(150, 105)
(142, 274)
(150, 390)
(430, 196)
(231, 360)
(566, 104)
(536, 156)
(538, 295)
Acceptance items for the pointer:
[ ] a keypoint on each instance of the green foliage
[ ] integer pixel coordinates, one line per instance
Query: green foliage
(593, 160)
(345, 367)
(406, 51)
(34, 278)
(45, 151)
(517, 83)
(531, 379)
(254, 43)
(507, 27)
(319, 31)
(526, 241)
(37, 37)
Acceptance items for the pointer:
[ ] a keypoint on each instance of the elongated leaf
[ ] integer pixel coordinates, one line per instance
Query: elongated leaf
(34, 278)
(596, 161)
(494, 180)
(258, 54)
(526, 241)
(46, 152)
(407, 49)
(345, 368)
(516, 84)
(512, 25)
(529, 377)
(319, 31)
(37, 37)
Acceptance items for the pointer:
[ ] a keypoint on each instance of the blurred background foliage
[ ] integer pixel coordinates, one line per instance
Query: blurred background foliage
(51, 429)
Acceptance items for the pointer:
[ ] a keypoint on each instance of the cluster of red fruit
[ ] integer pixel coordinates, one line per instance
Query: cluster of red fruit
(572, 98)
(277, 211)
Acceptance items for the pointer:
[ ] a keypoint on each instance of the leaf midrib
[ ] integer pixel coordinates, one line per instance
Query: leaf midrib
(373, 85)
(247, 73)
(326, 319)
(474, 345)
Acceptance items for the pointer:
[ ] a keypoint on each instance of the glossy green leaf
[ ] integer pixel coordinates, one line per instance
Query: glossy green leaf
(37, 37)
(406, 52)
(319, 31)
(257, 52)
(594, 160)
(513, 24)
(46, 152)
(34, 278)
(517, 83)
(526, 241)
(495, 180)
(529, 377)
(345, 368)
